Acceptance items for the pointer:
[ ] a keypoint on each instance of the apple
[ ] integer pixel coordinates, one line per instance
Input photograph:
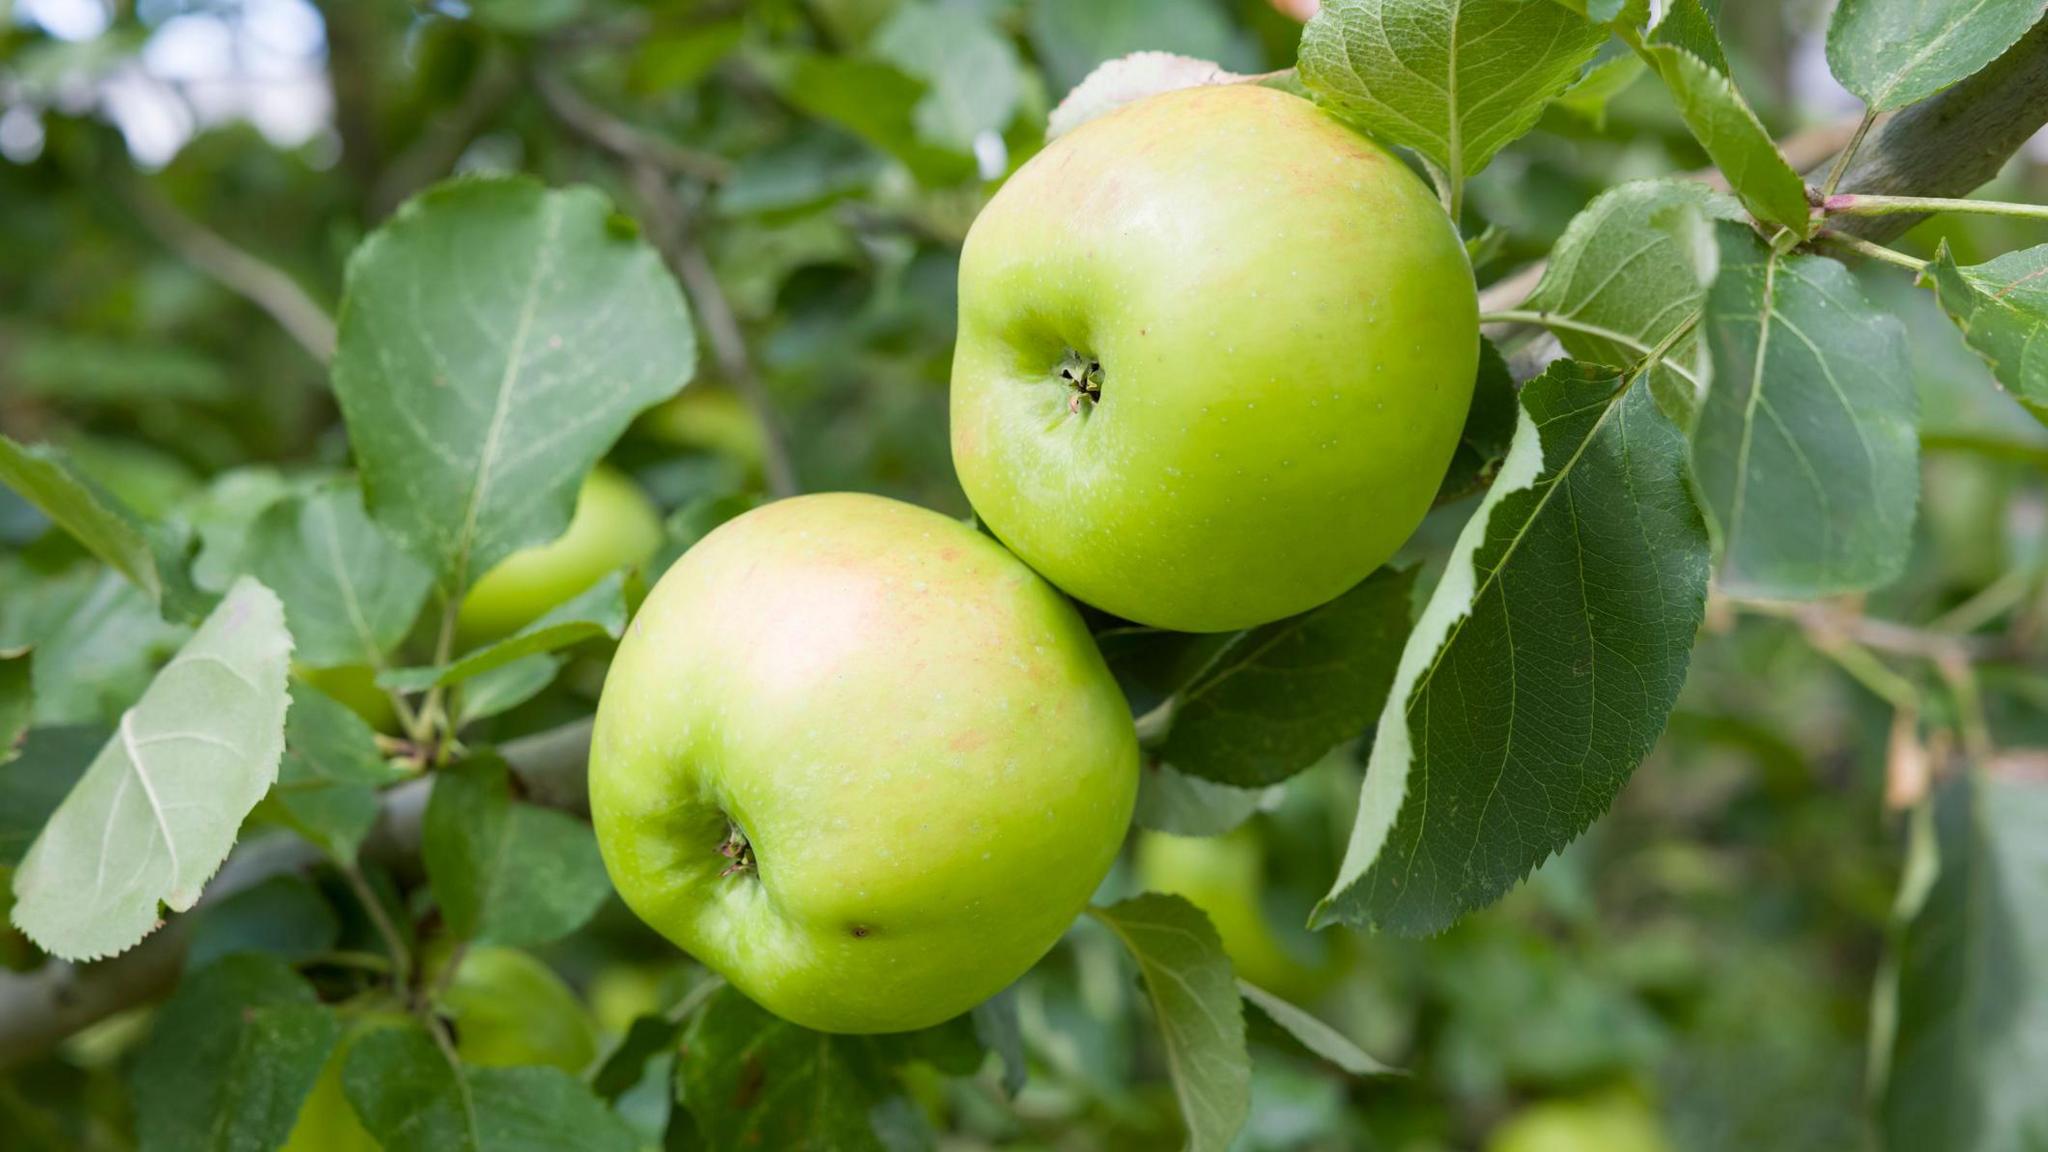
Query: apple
(1616, 1120)
(861, 761)
(708, 419)
(509, 1008)
(1224, 877)
(614, 526)
(1215, 353)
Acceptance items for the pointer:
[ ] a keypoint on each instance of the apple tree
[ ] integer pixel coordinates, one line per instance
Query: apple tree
(1482, 574)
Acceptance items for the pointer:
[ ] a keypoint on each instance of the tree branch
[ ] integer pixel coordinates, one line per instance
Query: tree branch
(236, 270)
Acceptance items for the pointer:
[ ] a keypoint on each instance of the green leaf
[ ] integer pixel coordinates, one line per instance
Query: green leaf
(2002, 308)
(349, 595)
(412, 1099)
(35, 782)
(1073, 37)
(231, 1058)
(95, 519)
(284, 916)
(1734, 139)
(1544, 666)
(1973, 979)
(17, 697)
(598, 612)
(1195, 1000)
(1456, 80)
(1489, 428)
(999, 1028)
(647, 1039)
(222, 517)
(99, 655)
(1688, 26)
(526, 16)
(1806, 447)
(1898, 52)
(873, 100)
(1281, 695)
(1313, 1034)
(1636, 261)
(752, 1080)
(155, 815)
(503, 689)
(495, 338)
(972, 75)
(1604, 81)
(327, 785)
(505, 872)
(1170, 801)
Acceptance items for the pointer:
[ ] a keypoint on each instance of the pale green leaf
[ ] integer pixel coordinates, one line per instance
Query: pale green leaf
(1897, 52)
(505, 688)
(155, 815)
(2002, 308)
(1544, 666)
(503, 871)
(349, 595)
(1456, 80)
(1196, 1003)
(1313, 1034)
(1972, 1033)
(1806, 447)
(1733, 138)
(495, 338)
(872, 99)
(231, 1058)
(1279, 696)
(1128, 79)
(1170, 801)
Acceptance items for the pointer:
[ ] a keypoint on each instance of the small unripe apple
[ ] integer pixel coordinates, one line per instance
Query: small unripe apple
(509, 1009)
(1224, 876)
(1215, 352)
(861, 761)
(614, 526)
(327, 1122)
(1615, 1120)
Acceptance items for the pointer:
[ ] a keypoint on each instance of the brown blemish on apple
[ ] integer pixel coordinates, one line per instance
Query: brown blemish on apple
(859, 931)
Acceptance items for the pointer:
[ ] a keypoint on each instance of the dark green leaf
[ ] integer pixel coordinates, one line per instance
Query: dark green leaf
(1806, 447)
(17, 697)
(648, 1038)
(1074, 36)
(1489, 428)
(1687, 25)
(1973, 979)
(413, 1100)
(1281, 695)
(495, 339)
(349, 595)
(1544, 666)
(1196, 1003)
(32, 784)
(100, 650)
(506, 872)
(751, 1080)
(231, 1058)
(284, 916)
(327, 785)
(109, 531)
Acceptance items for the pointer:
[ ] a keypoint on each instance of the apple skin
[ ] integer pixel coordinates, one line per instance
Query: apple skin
(1223, 876)
(614, 526)
(1287, 332)
(929, 762)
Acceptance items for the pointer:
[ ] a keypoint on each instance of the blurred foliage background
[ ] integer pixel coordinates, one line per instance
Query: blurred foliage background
(1696, 973)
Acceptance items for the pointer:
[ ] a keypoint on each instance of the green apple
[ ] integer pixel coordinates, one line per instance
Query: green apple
(1616, 1120)
(861, 761)
(509, 1008)
(708, 419)
(1215, 353)
(1224, 876)
(614, 526)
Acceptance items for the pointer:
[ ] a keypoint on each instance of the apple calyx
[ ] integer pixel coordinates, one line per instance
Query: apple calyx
(736, 848)
(1083, 376)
